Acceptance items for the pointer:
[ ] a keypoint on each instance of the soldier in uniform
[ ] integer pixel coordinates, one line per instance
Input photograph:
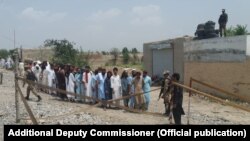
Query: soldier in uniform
(30, 76)
(222, 23)
(164, 93)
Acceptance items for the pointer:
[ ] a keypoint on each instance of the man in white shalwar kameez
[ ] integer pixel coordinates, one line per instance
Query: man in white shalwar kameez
(9, 62)
(51, 78)
(116, 85)
(21, 69)
(48, 66)
(37, 72)
(86, 79)
(44, 76)
(70, 85)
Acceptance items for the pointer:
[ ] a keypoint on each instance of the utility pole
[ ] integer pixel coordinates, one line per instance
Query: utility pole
(21, 53)
(14, 39)
(16, 82)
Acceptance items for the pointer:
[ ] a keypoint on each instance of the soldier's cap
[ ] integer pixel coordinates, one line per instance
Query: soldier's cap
(166, 72)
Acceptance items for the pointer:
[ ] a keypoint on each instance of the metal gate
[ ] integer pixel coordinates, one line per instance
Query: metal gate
(162, 60)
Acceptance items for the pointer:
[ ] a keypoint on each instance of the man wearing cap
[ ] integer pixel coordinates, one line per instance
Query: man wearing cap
(222, 22)
(30, 76)
(164, 93)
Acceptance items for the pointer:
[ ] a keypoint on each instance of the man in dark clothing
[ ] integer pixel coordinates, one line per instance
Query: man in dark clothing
(30, 76)
(222, 23)
(176, 100)
(62, 82)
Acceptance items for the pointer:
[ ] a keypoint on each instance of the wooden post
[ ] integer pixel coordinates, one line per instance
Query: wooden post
(190, 93)
(16, 81)
(32, 117)
(21, 53)
(16, 91)
(1, 78)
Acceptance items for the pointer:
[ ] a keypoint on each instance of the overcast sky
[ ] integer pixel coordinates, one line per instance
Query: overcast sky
(104, 24)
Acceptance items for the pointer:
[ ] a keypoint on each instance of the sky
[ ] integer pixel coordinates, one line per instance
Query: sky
(98, 25)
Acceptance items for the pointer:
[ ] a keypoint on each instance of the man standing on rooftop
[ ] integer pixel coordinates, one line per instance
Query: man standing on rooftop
(222, 22)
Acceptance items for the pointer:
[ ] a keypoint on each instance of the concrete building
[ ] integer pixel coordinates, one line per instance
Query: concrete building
(221, 62)
(164, 55)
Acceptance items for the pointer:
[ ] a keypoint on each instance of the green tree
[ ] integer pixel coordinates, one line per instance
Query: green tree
(238, 30)
(125, 55)
(104, 53)
(64, 51)
(230, 31)
(4, 53)
(115, 53)
(241, 30)
(134, 52)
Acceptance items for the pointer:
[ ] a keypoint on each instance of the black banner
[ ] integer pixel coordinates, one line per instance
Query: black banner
(149, 132)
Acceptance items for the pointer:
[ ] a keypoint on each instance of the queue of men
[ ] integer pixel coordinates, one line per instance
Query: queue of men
(101, 85)
(92, 86)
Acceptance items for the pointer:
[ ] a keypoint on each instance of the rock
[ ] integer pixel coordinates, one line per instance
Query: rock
(41, 115)
(42, 121)
(29, 122)
(60, 122)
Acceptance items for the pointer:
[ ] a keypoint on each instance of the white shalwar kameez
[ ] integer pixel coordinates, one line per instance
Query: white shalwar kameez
(37, 72)
(51, 79)
(116, 86)
(70, 85)
(86, 78)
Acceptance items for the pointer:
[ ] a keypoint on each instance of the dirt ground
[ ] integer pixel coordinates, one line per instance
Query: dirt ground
(202, 111)
(51, 110)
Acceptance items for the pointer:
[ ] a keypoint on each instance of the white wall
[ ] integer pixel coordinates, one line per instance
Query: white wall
(217, 49)
(248, 46)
